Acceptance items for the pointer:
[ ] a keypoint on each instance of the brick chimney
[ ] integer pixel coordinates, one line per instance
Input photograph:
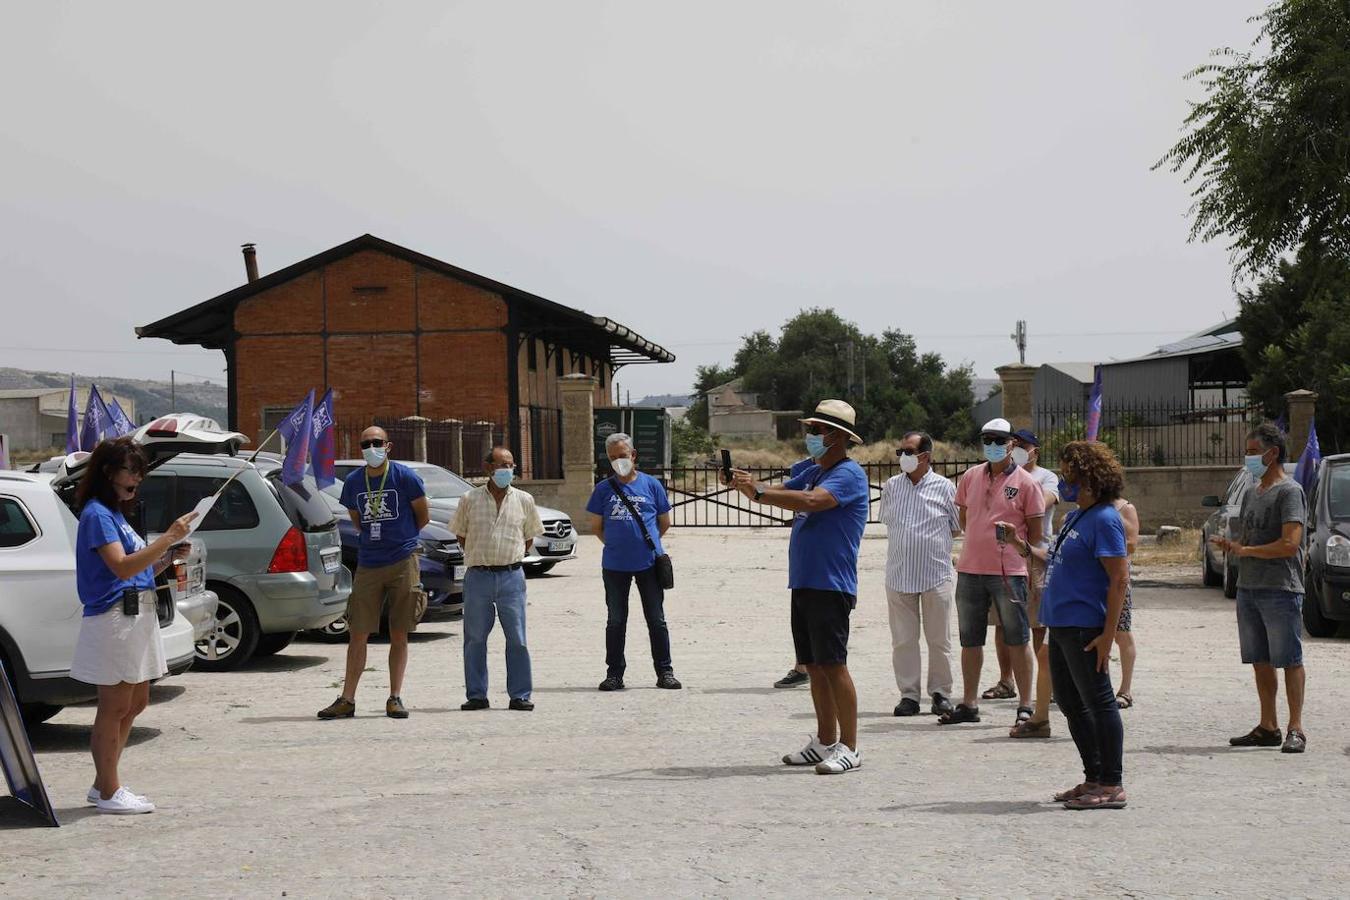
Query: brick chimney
(251, 262)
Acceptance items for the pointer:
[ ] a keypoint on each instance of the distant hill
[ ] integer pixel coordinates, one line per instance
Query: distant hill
(664, 400)
(153, 398)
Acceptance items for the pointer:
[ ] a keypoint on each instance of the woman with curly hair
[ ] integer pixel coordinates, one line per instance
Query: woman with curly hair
(119, 647)
(1083, 598)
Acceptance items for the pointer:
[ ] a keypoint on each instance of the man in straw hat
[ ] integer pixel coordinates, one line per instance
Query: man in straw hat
(830, 499)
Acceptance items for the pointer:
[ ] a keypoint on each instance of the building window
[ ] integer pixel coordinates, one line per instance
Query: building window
(532, 354)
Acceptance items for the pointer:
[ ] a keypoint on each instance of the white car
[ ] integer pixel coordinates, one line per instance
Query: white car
(40, 609)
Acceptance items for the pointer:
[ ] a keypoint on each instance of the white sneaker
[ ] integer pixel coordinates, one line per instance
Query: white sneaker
(809, 755)
(125, 803)
(840, 760)
(94, 796)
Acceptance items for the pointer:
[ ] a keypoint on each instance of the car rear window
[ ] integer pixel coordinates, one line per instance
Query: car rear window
(1338, 492)
(233, 511)
(305, 506)
(15, 529)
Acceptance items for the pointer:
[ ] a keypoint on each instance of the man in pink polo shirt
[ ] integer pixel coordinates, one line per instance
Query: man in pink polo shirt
(993, 495)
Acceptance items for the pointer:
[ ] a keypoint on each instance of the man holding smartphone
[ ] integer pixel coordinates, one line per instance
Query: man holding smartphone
(990, 572)
(830, 499)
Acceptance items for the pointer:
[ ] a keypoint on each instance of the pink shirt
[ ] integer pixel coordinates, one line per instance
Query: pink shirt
(1013, 496)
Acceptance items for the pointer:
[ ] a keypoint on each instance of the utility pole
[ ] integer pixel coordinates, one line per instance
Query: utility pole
(849, 350)
(1020, 339)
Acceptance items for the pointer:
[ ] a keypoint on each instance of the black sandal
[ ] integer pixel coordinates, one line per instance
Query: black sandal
(962, 713)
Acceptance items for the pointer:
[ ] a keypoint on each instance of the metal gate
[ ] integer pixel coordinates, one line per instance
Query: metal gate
(698, 499)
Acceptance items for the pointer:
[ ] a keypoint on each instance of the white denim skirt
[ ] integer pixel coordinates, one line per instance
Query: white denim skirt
(115, 648)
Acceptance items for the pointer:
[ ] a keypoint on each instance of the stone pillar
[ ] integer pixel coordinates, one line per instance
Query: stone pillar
(1016, 379)
(1302, 405)
(419, 447)
(456, 436)
(578, 446)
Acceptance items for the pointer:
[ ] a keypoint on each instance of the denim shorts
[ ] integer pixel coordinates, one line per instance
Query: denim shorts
(975, 593)
(1270, 627)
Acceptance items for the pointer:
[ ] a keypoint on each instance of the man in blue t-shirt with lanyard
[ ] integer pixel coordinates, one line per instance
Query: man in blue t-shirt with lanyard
(831, 500)
(388, 503)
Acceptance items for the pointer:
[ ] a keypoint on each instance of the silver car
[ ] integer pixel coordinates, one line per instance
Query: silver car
(444, 488)
(274, 558)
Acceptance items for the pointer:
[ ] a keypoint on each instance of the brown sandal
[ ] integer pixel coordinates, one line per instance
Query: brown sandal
(1030, 729)
(1124, 700)
(1105, 798)
(1074, 793)
(1000, 691)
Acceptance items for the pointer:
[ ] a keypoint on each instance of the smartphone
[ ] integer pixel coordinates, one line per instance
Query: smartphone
(726, 465)
(1001, 534)
(131, 602)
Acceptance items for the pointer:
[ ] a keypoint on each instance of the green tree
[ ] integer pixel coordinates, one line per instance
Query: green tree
(705, 379)
(1268, 149)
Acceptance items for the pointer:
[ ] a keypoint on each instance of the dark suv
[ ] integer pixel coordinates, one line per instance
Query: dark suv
(1326, 603)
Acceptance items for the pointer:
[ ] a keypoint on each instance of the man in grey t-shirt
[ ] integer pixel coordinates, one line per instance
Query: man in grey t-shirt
(1269, 552)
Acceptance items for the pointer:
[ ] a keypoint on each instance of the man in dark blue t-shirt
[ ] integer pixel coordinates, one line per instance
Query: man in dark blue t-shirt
(831, 500)
(388, 504)
(628, 558)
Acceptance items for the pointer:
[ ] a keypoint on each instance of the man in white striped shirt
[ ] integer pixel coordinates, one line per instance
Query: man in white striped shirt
(919, 511)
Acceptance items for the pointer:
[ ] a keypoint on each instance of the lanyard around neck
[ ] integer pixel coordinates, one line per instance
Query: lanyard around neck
(382, 478)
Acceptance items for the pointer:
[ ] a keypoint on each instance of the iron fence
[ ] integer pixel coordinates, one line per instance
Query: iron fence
(1153, 433)
(698, 499)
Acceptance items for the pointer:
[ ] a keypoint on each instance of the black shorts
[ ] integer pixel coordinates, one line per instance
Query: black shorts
(820, 626)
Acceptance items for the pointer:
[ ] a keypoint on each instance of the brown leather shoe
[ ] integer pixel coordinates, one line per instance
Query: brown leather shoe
(341, 708)
(394, 709)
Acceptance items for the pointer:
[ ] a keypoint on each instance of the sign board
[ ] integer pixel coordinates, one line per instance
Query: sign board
(648, 426)
(16, 756)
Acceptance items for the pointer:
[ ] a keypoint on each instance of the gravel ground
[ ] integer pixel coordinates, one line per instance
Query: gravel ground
(649, 792)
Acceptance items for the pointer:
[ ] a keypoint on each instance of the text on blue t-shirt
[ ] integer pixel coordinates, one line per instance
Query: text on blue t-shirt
(384, 506)
(98, 587)
(1076, 583)
(823, 552)
(625, 548)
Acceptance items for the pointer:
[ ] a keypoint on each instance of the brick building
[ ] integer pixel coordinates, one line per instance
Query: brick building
(396, 333)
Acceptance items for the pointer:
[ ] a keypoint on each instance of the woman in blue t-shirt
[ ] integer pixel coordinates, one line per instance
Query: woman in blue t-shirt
(115, 572)
(1084, 594)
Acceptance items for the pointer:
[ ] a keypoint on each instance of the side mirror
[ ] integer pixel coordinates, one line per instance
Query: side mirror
(1211, 501)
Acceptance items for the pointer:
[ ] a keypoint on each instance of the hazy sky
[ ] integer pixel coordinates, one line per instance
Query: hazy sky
(694, 170)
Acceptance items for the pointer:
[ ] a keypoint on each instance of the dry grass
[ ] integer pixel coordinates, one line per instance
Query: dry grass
(765, 453)
(1185, 553)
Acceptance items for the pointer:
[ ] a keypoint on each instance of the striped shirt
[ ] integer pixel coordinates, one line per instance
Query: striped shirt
(493, 535)
(921, 520)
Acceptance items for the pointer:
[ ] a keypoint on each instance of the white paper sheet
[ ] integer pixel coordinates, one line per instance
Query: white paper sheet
(201, 509)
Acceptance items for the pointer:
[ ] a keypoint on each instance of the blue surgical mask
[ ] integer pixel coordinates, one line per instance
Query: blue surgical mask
(374, 456)
(996, 453)
(815, 445)
(1255, 467)
(1068, 492)
(502, 478)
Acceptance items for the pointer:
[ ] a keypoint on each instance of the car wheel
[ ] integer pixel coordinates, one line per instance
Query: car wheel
(537, 569)
(270, 644)
(235, 636)
(335, 632)
(1317, 624)
(1229, 579)
(1208, 576)
(37, 713)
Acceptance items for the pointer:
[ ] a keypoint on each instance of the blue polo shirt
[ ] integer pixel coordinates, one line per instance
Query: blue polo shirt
(388, 526)
(823, 552)
(625, 548)
(1076, 583)
(98, 587)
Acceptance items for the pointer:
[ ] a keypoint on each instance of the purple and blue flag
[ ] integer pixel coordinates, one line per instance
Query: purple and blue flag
(72, 421)
(121, 422)
(323, 454)
(1305, 473)
(1094, 414)
(97, 420)
(297, 429)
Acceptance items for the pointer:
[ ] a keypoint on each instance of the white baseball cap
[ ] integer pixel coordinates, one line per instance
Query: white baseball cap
(997, 426)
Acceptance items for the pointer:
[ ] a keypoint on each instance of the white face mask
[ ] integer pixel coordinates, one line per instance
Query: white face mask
(623, 466)
(909, 462)
(374, 456)
(1020, 455)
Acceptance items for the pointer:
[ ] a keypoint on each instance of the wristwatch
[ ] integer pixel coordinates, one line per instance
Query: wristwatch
(759, 492)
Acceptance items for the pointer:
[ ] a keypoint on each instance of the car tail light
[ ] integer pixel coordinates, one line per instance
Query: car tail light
(291, 555)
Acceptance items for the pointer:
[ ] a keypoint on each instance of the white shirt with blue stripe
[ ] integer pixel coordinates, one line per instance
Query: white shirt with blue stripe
(921, 520)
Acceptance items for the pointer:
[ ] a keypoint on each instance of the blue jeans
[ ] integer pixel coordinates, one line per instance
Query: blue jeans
(1086, 698)
(617, 588)
(489, 596)
(1270, 627)
(975, 594)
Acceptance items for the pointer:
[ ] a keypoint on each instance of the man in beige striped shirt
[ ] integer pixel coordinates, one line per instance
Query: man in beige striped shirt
(496, 524)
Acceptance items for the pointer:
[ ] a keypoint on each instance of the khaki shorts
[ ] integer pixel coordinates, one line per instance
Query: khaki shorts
(1035, 586)
(400, 584)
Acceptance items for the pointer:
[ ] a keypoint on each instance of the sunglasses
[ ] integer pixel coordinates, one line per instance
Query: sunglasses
(373, 442)
(988, 439)
(906, 452)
